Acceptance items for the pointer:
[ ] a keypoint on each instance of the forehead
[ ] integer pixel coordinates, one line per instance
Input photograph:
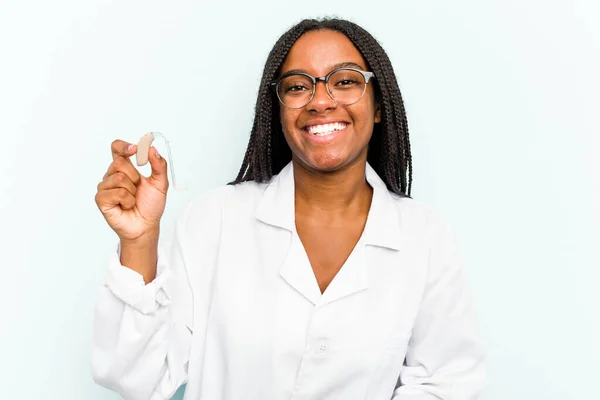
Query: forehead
(316, 52)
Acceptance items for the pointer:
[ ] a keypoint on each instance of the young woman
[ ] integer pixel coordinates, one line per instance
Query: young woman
(314, 275)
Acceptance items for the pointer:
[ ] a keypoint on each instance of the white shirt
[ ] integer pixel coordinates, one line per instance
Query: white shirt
(236, 311)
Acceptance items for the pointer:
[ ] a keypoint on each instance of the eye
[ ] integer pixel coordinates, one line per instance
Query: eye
(346, 79)
(295, 88)
(295, 85)
(346, 82)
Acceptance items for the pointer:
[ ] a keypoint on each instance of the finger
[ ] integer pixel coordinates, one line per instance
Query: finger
(124, 165)
(158, 178)
(118, 180)
(107, 199)
(120, 148)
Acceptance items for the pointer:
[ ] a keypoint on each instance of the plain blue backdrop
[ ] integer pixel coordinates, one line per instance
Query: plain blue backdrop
(502, 103)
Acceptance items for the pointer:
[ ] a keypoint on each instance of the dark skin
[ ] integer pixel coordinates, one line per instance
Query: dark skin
(332, 196)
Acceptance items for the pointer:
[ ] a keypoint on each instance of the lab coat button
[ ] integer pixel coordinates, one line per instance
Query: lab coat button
(321, 348)
(162, 298)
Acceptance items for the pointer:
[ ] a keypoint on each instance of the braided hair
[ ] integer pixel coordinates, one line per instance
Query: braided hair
(389, 147)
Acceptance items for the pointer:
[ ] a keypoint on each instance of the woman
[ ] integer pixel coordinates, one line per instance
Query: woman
(314, 275)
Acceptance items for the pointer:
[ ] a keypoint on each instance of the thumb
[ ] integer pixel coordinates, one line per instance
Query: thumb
(158, 178)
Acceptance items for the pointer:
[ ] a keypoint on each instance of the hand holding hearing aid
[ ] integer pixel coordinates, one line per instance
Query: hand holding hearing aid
(131, 203)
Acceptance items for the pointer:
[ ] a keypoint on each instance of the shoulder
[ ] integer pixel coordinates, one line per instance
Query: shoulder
(428, 230)
(417, 215)
(238, 198)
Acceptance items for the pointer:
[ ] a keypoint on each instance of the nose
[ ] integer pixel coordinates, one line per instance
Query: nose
(321, 100)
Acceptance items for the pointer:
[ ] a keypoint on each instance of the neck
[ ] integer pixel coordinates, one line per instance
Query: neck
(340, 194)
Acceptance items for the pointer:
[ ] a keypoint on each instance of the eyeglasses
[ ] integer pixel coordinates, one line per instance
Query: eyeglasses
(344, 86)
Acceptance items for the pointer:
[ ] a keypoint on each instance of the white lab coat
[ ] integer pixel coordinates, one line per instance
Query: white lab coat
(236, 312)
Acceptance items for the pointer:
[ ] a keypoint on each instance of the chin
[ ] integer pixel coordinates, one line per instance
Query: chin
(325, 164)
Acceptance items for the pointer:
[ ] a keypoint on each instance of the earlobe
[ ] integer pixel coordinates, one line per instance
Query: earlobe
(377, 114)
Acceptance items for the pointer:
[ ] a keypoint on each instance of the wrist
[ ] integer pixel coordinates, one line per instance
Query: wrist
(141, 255)
(148, 239)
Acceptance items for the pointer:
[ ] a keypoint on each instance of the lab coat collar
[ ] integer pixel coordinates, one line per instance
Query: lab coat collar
(383, 222)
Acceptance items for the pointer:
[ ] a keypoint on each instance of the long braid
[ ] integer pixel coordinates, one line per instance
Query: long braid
(389, 149)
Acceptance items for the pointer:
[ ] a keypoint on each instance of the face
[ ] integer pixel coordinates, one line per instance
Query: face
(317, 53)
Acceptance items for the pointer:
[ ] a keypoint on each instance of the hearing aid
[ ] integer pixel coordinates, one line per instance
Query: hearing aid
(143, 147)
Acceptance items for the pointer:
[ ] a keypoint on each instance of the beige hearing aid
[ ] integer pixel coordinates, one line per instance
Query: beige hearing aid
(143, 147)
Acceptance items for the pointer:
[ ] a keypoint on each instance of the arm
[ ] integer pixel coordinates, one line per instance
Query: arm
(445, 358)
(142, 332)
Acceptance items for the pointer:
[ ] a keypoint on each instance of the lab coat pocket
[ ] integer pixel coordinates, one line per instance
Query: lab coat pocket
(398, 338)
(395, 352)
(388, 365)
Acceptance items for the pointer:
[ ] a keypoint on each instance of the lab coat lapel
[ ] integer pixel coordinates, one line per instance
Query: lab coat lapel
(276, 209)
(298, 273)
(383, 223)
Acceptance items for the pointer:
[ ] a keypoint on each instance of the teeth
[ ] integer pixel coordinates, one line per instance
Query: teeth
(326, 129)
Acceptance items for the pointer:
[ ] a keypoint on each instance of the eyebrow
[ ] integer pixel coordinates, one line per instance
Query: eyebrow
(347, 64)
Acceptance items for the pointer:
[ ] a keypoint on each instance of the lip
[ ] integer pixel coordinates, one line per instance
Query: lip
(327, 138)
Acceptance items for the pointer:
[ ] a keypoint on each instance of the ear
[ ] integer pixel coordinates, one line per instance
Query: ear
(377, 114)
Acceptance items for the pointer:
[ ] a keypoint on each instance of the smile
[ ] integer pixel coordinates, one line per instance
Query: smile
(326, 129)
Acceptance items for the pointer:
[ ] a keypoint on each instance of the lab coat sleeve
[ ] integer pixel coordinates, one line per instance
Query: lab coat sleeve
(445, 357)
(142, 332)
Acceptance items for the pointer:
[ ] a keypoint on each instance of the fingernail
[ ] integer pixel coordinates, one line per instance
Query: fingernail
(157, 155)
(130, 147)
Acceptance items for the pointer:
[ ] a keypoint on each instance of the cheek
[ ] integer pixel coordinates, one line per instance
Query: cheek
(370, 107)
(284, 119)
(364, 118)
(288, 121)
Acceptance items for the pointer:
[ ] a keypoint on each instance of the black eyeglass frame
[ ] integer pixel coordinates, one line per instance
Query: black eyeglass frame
(367, 75)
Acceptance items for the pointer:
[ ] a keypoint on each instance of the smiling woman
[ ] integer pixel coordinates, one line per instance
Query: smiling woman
(345, 45)
(314, 275)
